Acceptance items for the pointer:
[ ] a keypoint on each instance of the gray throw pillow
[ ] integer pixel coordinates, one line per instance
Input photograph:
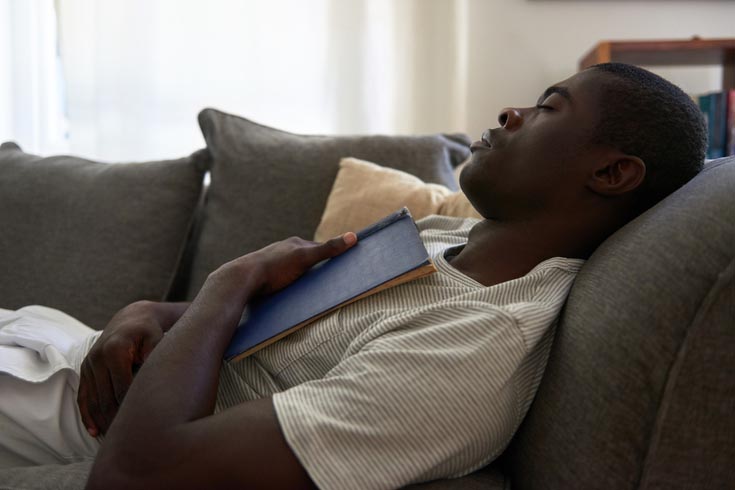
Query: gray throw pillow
(88, 237)
(268, 184)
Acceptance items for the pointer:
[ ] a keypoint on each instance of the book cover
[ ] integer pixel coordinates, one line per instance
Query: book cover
(387, 253)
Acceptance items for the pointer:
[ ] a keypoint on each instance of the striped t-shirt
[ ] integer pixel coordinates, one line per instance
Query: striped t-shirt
(423, 381)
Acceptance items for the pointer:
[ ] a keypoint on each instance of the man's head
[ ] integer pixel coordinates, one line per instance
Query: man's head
(612, 137)
(645, 115)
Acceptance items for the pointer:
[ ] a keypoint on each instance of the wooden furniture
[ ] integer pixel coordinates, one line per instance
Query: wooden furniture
(695, 51)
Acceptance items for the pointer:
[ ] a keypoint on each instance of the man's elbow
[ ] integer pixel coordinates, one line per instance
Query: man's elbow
(114, 470)
(106, 476)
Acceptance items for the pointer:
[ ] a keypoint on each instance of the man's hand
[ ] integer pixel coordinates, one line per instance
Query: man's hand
(107, 371)
(270, 269)
(283, 262)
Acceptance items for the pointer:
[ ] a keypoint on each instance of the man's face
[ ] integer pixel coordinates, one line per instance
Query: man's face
(539, 159)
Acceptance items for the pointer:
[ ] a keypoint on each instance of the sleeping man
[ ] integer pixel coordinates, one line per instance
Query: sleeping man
(424, 381)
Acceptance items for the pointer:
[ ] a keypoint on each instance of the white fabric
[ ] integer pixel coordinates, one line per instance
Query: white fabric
(424, 381)
(41, 351)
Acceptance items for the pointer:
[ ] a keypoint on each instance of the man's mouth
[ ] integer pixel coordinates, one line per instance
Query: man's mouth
(486, 138)
(483, 143)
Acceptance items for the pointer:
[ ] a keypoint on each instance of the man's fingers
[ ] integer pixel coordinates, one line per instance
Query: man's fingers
(313, 253)
(105, 396)
(115, 375)
(121, 376)
(335, 246)
(93, 406)
(149, 342)
(83, 402)
(120, 353)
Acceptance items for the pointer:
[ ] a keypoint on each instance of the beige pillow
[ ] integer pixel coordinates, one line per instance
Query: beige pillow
(364, 192)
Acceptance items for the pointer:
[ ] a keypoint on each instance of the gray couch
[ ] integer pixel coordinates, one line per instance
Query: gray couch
(640, 388)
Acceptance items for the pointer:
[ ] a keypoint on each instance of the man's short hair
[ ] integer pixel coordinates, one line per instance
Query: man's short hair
(647, 116)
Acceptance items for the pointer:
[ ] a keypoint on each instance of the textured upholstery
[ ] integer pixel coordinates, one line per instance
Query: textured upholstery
(489, 478)
(640, 387)
(47, 477)
(88, 237)
(693, 444)
(268, 184)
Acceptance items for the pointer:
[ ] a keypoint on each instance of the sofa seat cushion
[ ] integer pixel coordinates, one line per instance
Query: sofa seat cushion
(267, 184)
(639, 392)
(74, 477)
(89, 238)
(47, 477)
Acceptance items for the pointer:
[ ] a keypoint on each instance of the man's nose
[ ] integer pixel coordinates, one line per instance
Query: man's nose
(510, 118)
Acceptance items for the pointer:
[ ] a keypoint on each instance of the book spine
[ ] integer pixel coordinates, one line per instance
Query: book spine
(383, 223)
(731, 121)
(704, 102)
(718, 110)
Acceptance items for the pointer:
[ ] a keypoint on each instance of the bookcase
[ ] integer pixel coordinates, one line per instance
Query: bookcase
(694, 51)
(718, 107)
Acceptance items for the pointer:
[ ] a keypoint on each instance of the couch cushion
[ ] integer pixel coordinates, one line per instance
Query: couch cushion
(268, 184)
(364, 192)
(487, 478)
(88, 237)
(47, 477)
(74, 477)
(638, 392)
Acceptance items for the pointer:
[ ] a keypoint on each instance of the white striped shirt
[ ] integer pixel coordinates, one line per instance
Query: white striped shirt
(426, 380)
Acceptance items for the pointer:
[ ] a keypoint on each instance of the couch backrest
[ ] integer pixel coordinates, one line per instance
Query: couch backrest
(639, 392)
(89, 237)
(268, 184)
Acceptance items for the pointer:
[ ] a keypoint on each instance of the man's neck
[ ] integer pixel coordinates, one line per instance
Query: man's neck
(498, 251)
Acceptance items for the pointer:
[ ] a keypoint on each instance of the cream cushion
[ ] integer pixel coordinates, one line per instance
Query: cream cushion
(364, 192)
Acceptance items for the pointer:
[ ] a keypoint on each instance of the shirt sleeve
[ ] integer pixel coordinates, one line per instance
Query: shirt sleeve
(433, 397)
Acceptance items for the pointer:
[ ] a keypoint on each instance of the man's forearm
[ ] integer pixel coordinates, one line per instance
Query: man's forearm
(179, 380)
(108, 369)
(167, 314)
(165, 434)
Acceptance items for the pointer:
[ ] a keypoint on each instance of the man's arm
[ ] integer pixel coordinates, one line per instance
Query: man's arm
(165, 434)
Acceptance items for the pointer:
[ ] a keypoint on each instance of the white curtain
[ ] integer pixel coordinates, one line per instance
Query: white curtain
(32, 103)
(137, 72)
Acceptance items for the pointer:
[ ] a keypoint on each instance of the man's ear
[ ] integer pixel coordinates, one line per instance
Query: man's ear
(618, 175)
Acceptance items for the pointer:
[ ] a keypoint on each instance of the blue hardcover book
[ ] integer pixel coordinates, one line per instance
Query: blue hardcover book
(718, 127)
(386, 254)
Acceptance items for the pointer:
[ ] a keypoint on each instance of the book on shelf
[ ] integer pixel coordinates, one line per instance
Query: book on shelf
(731, 122)
(719, 112)
(387, 253)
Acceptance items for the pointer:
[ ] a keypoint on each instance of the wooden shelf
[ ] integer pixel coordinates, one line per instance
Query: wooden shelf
(668, 52)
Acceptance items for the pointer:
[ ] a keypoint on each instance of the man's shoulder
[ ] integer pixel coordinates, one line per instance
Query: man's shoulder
(438, 225)
(441, 232)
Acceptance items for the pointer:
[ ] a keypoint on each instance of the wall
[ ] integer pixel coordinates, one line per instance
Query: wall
(519, 47)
